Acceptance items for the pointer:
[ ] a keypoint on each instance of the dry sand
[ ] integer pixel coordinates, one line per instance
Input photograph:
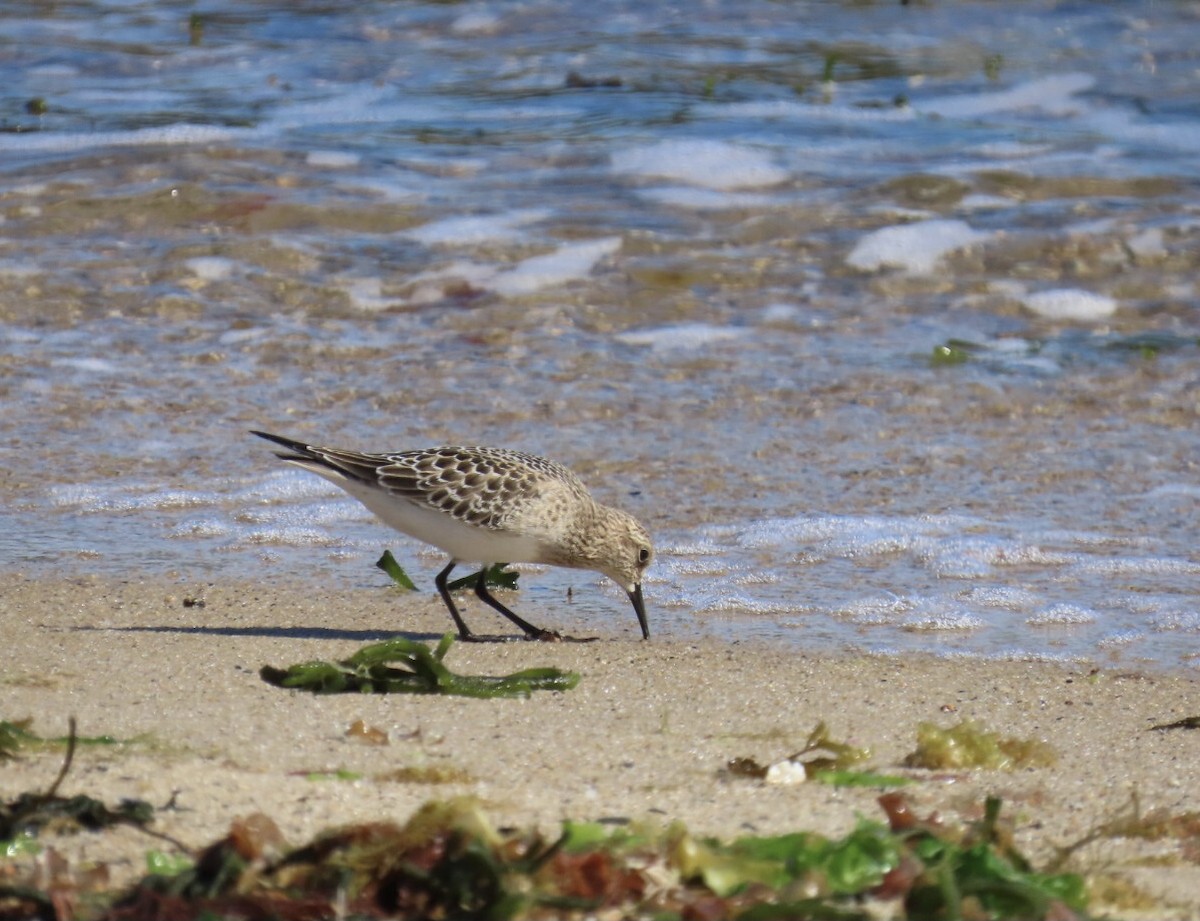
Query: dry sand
(644, 735)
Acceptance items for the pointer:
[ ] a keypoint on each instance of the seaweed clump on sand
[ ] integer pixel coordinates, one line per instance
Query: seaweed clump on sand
(449, 861)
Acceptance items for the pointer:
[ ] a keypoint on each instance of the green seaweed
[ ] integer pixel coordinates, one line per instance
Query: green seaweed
(339, 774)
(958, 351)
(948, 354)
(449, 861)
(856, 863)
(424, 774)
(15, 736)
(495, 576)
(30, 813)
(162, 863)
(1150, 343)
(828, 754)
(395, 571)
(22, 844)
(933, 871)
(848, 778)
(195, 29)
(969, 744)
(411, 667)
(831, 62)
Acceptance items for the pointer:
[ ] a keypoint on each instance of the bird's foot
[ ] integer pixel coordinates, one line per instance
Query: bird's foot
(544, 636)
(536, 636)
(553, 636)
(484, 638)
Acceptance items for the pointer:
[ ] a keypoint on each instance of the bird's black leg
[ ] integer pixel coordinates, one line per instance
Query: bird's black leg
(464, 631)
(531, 632)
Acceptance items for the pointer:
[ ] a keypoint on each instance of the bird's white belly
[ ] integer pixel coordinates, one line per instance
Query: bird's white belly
(464, 542)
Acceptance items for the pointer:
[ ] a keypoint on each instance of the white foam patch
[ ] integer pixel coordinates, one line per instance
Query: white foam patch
(201, 527)
(1176, 134)
(872, 611)
(367, 294)
(210, 268)
(358, 103)
(709, 164)
(1005, 597)
(1011, 150)
(239, 336)
(284, 485)
(980, 202)
(569, 262)
(683, 337)
(915, 248)
(702, 547)
(1130, 566)
(1070, 304)
(941, 545)
(785, 532)
(1121, 638)
(1087, 538)
(429, 287)
(291, 537)
(965, 557)
(18, 336)
(1148, 243)
(1053, 95)
(90, 498)
(308, 514)
(743, 576)
(1187, 621)
(332, 159)
(789, 109)
(722, 600)
(172, 135)
(681, 566)
(1062, 615)
(474, 229)
(910, 613)
(1174, 490)
(55, 70)
(1091, 228)
(12, 268)
(973, 557)
(476, 22)
(396, 187)
(460, 166)
(88, 365)
(708, 199)
(781, 313)
(948, 621)
(1022, 655)
(851, 537)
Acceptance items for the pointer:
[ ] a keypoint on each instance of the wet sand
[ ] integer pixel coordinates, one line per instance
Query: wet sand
(644, 735)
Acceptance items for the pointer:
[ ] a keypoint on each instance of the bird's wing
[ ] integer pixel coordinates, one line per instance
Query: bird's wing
(480, 486)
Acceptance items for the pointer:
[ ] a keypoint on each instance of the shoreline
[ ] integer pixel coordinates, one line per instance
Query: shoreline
(645, 734)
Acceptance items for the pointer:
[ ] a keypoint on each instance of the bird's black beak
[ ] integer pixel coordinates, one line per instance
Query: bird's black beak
(639, 607)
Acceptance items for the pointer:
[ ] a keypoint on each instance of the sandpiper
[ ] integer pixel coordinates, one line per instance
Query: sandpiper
(488, 506)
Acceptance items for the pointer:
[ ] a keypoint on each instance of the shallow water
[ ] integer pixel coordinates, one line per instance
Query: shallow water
(883, 318)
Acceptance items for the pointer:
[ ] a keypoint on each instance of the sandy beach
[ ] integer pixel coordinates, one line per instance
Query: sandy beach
(645, 734)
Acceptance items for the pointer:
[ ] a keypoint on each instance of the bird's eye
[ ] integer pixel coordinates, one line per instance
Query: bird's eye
(644, 555)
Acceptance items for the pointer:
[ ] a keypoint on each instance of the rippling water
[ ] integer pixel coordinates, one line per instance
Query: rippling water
(883, 317)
